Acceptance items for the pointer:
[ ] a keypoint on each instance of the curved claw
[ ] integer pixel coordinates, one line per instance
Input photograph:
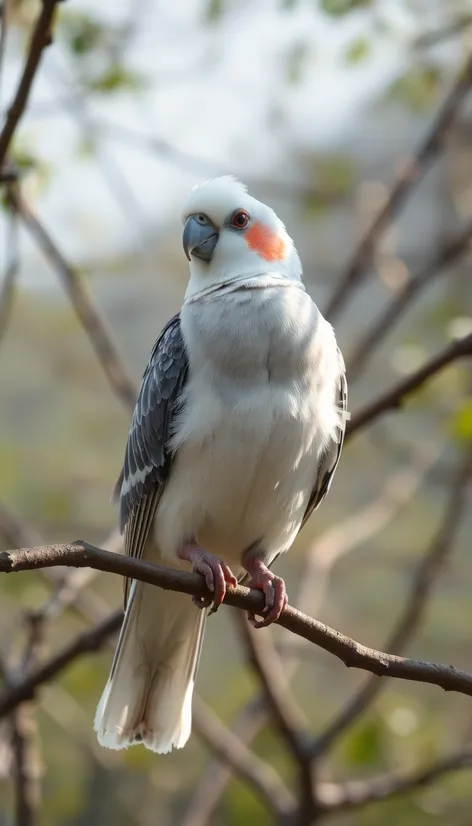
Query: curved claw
(217, 574)
(275, 593)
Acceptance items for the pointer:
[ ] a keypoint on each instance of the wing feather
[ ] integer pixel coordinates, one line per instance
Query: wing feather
(330, 458)
(148, 457)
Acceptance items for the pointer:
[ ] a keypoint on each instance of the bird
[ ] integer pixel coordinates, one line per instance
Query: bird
(235, 437)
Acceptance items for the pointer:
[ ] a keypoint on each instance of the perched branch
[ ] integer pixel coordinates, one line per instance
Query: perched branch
(415, 606)
(395, 309)
(410, 176)
(41, 38)
(352, 653)
(91, 319)
(392, 399)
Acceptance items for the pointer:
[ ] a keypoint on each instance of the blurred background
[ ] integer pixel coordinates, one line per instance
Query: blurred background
(316, 105)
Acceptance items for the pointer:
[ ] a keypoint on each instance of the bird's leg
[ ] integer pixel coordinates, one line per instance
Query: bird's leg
(217, 574)
(273, 587)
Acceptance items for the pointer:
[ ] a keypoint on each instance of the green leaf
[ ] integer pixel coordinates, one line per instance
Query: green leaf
(117, 78)
(214, 10)
(461, 422)
(336, 8)
(357, 51)
(418, 88)
(82, 33)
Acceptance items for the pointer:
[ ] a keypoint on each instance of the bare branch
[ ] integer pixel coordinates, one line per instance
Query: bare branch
(352, 653)
(392, 399)
(91, 319)
(26, 765)
(359, 527)
(415, 606)
(450, 29)
(41, 38)
(265, 663)
(91, 640)
(264, 660)
(231, 750)
(355, 794)
(217, 775)
(7, 288)
(410, 176)
(394, 310)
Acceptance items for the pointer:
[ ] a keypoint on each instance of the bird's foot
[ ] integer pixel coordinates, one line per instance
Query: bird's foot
(273, 588)
(217, 574)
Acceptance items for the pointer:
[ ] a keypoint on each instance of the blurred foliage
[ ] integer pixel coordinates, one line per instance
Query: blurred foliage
(341, 7)
(61, 443)
(358, 50)
(419, 87)
(462, 421)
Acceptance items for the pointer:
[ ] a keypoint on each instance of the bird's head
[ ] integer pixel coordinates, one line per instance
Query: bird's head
(228, 235)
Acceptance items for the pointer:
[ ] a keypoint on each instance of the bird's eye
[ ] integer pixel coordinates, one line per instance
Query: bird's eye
(240, 219)
(201, 218)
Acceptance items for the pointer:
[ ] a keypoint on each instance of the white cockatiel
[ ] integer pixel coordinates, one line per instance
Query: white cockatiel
(234, 441)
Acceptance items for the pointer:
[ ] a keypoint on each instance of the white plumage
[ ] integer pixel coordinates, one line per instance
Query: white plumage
(254, 445)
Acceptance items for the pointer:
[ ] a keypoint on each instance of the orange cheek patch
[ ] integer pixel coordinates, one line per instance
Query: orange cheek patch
(264, 242)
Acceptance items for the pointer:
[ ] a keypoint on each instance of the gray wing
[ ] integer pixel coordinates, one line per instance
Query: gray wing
(330, 458)
(148, 457)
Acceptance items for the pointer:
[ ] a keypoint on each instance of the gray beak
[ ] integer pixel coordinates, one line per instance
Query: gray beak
(199, 239)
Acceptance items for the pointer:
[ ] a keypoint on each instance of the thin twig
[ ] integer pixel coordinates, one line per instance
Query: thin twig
(264, 660)
(91, 319)
(355, 794)
(410, 176)
(392, 399)
(41, 38)
(414, 608)
(396, 308)
(217, 775)
(360, 527)
(352, 653)
(26, 765)
(86, 642)
(7, 287)
(450, 29)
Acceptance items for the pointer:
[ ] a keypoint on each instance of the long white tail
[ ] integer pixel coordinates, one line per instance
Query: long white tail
(148, 696)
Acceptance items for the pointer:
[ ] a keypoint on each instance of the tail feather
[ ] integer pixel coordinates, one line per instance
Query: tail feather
(148, 696)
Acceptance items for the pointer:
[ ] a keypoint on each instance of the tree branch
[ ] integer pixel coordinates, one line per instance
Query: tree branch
(232, 751)
(355, 794)
(91, 319)
(393, 398)
(394, 310)
(40, 39)
(414, 608)
(90, 640)
(403, 187)
(352, 653)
